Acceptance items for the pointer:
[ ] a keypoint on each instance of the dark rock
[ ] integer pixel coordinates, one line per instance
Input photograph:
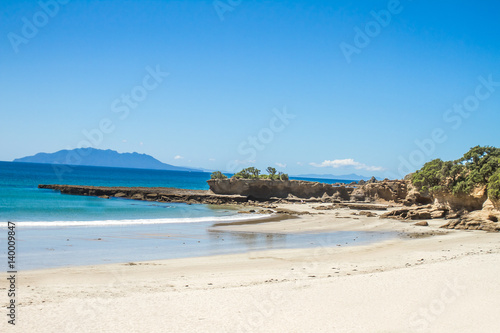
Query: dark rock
(323, 207)
(138, 196)
(365, 206)
(163, 194)
(422, 224)
(419, 215)
(492, 218)
(368, 214)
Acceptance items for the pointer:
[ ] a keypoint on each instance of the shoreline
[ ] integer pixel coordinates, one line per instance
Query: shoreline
(67, 244)
(237, 218)
(390, 285)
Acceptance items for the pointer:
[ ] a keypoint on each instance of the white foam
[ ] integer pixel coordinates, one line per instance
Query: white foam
(232, 218)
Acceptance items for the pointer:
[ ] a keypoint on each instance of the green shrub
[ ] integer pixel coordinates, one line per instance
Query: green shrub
(283, 176)
(218, 175)
(494, 185)
(272, 172)
(247, 173)
(479, 166)
(429, 176)
(254, 173)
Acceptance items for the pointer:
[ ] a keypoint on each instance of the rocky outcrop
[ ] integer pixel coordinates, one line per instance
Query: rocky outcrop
(358, 194)
(265, 189)
(363, 206)
(162, 194)
(495, 203)
(485, 219)
(387, 190)
(473, 221)
(457, 202)
(414, 197)
(422, 224)
(416, 213)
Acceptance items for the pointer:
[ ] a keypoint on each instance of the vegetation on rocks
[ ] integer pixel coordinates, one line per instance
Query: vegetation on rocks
(253, 173)
(480, 166)
(218, 175)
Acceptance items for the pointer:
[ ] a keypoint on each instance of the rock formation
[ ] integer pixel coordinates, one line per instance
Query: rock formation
(265, 189)
(162, 194)
(474, 211)
(387, 190)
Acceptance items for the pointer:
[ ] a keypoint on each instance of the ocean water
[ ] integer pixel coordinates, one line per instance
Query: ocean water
(54, 229)
(21, 200)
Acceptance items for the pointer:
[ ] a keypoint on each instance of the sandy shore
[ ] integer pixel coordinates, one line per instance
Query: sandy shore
(434, 281)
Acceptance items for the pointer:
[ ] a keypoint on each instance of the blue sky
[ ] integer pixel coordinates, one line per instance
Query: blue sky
(370, 87)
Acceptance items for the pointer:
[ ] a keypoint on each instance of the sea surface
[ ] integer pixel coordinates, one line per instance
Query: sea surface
(54, 229)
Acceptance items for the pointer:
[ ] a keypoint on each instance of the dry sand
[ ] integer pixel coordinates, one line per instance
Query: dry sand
(436, 281)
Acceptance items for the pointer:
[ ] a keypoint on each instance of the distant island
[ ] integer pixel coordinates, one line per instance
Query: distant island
(102, 158)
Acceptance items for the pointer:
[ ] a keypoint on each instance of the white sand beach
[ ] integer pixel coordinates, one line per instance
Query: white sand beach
(436, 281)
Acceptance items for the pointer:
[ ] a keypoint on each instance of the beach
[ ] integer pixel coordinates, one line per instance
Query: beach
(234, 166)
(427, 280)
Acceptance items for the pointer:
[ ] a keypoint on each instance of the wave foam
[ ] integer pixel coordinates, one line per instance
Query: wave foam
(232, 218)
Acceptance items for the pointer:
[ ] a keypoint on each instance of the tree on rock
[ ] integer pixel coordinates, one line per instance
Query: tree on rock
(218, 175)
(271, 171)
(480, 166)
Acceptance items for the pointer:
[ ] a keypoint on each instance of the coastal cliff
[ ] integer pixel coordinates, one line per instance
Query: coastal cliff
(265, 189)
(473, 211)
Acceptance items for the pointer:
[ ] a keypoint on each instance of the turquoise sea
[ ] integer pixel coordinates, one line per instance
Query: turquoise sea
(56, 230)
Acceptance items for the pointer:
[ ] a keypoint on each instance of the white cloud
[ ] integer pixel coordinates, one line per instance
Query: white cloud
(243, 162)
(281, 165)
(211, 159)
(178, 157)
(300, 163)
(348, 162)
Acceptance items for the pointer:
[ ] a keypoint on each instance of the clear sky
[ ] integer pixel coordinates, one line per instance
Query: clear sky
(370, 87)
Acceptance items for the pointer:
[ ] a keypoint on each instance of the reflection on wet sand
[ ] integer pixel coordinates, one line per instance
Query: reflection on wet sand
(251, 240)
(272, 218)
